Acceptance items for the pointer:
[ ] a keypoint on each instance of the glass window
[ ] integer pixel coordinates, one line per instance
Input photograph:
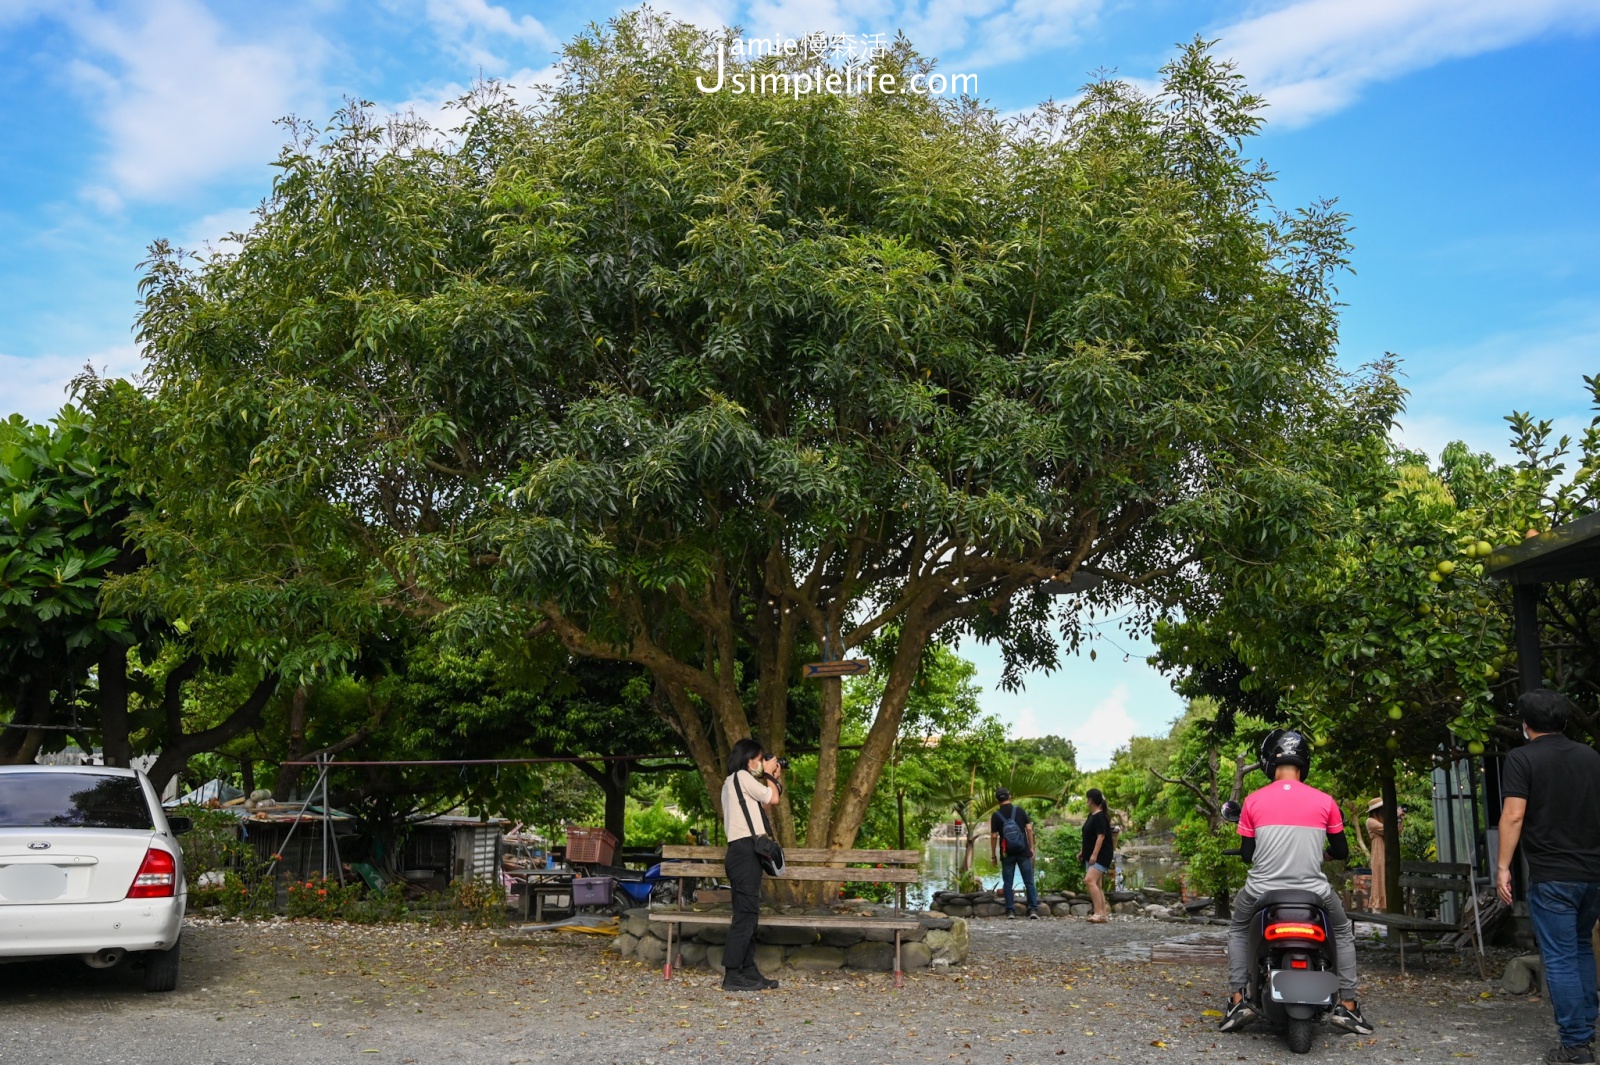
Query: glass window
(72, 800)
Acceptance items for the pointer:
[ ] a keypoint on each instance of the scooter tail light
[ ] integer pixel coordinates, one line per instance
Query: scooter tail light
(157, 877)
(1296, 930)
(1299, 963)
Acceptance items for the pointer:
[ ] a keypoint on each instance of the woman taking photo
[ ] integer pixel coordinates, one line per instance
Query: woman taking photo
(1097, 849)
(751, 786)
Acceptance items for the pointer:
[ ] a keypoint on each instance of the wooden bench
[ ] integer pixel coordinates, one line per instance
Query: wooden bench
(801, 864)
(1427, 876)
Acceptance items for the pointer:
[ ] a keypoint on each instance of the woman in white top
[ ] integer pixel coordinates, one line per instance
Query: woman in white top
(747, 765)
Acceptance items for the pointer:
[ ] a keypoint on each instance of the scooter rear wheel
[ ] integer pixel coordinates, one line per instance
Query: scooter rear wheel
(1298, 1036)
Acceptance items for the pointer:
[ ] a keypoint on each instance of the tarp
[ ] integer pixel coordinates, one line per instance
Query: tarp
(211, 790)
(584, 923)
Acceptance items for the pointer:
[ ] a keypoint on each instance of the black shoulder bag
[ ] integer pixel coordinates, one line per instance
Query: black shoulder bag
(768, 852)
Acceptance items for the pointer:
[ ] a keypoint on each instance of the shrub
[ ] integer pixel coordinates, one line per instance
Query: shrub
(654, 825)
(324, 899)
(1057, 864)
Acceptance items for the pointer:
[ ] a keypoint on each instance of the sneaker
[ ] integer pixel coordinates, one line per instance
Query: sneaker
(1582, 1053)
(1351, 1020)
(736, 981)
(1239, 1014)
(1010, 916)
(1032, 916)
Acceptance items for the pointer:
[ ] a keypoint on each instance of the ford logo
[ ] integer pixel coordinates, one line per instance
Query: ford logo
(41, 845)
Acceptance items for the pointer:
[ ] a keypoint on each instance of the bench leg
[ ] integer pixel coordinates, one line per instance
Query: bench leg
(1402, 951)
(898, 978)
(666, 973)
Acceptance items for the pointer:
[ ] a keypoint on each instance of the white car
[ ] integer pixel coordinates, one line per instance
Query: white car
(90, 866)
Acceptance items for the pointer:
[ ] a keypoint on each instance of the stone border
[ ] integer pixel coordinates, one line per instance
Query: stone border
(940, 941)
(1146, 902)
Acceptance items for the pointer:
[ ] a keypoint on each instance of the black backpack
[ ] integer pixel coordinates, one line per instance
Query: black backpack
(1013, 833)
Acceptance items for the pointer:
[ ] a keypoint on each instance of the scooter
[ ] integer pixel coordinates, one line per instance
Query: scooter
(1294, 979)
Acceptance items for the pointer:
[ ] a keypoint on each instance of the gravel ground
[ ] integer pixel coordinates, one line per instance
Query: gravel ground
(1034, 991)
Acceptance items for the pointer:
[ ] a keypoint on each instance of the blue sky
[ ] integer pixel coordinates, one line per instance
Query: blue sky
(1461, 135)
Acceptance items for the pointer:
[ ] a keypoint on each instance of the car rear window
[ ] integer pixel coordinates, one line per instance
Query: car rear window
(72, 800)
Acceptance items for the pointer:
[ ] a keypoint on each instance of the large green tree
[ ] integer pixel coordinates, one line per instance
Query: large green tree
(701, 382)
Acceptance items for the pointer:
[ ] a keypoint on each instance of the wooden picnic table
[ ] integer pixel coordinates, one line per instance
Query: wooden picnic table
(539, 884)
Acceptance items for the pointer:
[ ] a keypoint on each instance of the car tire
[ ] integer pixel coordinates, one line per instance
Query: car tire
(161, 969)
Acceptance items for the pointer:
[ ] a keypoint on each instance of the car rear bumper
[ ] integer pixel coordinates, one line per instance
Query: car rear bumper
(35, 931)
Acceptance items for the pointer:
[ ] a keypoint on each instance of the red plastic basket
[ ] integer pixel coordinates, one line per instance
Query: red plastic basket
(591, 846)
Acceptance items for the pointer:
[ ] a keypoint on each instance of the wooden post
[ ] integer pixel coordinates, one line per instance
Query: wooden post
(1525, 615)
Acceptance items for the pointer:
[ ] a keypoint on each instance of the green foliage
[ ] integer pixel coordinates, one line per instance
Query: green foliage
(1057, 861)
(213, 844)
(322, 899)
(61, 499)
(699, 381)
(238, 896)
(653, 825)
(1206, 869)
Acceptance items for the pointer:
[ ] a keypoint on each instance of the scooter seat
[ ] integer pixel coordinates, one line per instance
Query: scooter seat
(1289, 897)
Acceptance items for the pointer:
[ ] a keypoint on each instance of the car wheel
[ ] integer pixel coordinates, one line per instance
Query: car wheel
(161, 969)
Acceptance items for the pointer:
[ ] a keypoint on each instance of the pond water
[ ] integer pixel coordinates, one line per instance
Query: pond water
(1144, 867)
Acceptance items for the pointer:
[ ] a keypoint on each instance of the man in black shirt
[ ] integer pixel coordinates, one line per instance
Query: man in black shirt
(1551, 791)
(1011, 834)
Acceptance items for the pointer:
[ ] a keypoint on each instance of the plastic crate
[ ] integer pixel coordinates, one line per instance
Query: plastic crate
(590, 846)
(593, 890)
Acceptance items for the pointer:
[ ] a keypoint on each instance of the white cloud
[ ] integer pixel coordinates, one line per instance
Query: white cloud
(469, 28)
(1108, 727)
(1027, 726)
(434, 105)
(181, 104)
(1538, 369)
(969, 34)
(211, 232)
(36, 387)
(1314, 57)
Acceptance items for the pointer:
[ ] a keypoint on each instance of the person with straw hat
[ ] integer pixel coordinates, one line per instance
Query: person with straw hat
(1378, 893)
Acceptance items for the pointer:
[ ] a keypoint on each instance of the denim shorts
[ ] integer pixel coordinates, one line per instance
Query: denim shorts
(1100, 867)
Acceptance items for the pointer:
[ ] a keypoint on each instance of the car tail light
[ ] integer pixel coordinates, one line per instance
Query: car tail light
(157, 877)
(1296, 930)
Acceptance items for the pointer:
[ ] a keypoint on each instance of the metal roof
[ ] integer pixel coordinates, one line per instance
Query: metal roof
(1566, 553)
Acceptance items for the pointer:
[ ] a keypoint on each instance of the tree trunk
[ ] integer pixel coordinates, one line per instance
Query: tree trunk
(289, 775)
(613, 779)
(1391, 841)
(850, 809)
(822, 798)
(20, 746)
(114, 745)
(181, 746)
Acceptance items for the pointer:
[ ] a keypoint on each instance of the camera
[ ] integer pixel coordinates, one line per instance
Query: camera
(783, 763)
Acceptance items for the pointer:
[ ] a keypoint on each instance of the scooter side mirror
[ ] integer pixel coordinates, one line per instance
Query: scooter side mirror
(1231, 811)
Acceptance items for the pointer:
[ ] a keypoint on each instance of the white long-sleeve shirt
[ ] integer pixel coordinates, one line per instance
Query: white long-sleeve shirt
(756, 794)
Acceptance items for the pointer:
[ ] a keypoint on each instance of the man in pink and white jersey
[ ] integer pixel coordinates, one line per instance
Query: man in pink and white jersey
(1284, 830)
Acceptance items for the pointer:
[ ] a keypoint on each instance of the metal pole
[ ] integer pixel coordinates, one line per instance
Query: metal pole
(296, 824)
(327, 827)
(324, 780)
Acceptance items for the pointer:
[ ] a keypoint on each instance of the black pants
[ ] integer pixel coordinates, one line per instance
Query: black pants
(744, 873)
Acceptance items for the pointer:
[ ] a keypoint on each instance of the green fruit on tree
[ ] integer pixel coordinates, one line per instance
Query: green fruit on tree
(1393, 743)
(1435, 577)
(1321, 741)
(1425, 609)
(1395, 713)
(1484, 548)
(1446, 567)
(1475, 747)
